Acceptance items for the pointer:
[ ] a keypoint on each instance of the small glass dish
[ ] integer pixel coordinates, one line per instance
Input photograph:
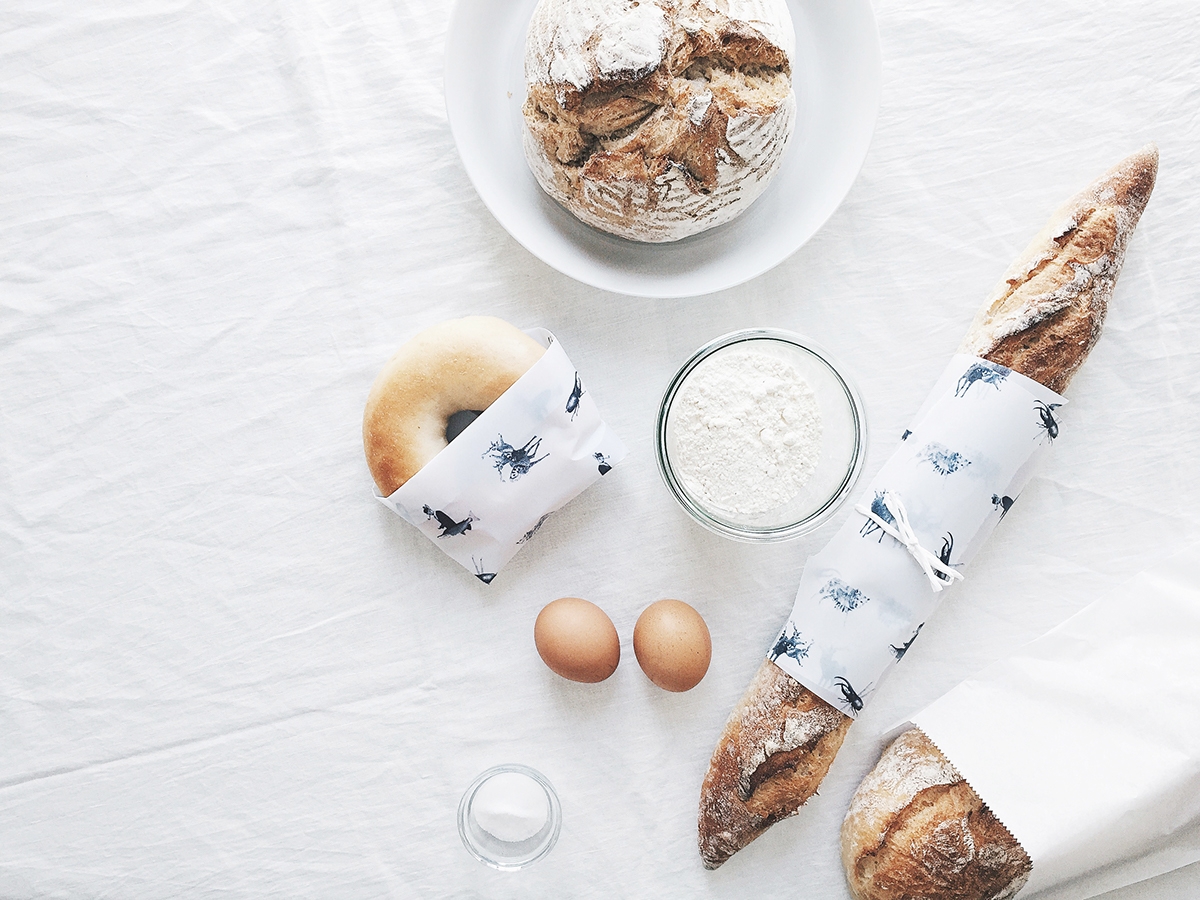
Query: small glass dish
(843, 440)
(508, 856)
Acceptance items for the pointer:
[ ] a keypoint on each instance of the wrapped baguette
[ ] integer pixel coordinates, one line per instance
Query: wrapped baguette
(1041, 321)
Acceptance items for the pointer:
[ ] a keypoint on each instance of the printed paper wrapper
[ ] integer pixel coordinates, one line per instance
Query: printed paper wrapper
(1086, 742)
(864, 598)
(535, 448)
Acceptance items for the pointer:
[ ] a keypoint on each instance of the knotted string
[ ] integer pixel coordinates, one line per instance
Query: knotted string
(903, 532)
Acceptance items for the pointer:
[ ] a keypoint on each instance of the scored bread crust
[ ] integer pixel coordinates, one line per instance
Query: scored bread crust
(657, 119)
(776, 748)
(1042, 320)
(915, 828)
(1045, 315)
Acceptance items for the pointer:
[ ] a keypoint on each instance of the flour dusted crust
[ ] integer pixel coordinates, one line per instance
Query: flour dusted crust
(456, 365)
(657, 119)
(1045, 315)
(776, 748)
(1042, 320)
(915, 828)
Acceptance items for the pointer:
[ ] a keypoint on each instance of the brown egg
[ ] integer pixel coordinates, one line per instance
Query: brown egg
(577, 640)
(672, 645)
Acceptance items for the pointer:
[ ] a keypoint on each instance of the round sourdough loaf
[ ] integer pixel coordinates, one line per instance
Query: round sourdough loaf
(657, 119)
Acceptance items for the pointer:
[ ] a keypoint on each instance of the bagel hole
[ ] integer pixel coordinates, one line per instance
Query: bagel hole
(459, 421)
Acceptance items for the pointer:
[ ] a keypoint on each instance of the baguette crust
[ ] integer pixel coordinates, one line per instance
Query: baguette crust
(915, 828)
(771, 757)
(1042, 320)
(1045, 315)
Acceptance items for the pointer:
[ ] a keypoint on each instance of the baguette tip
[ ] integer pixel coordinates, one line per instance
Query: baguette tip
(1131, 181)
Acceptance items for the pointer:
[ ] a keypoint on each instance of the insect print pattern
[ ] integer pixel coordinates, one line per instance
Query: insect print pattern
(603, 466)
(485, 577)
(844, 597)
(903, 648)
(944, 555)
(576, 395)
(446, 523)
(1004, 504)
(534, 530)
(988, 374)
(518, 459)
(944, 460)
(1047, 422)
(905, 436)
(790, 645)
(879, 508)
(850, 696)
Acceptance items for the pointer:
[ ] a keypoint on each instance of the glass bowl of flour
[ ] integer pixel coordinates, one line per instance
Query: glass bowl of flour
(760, 435)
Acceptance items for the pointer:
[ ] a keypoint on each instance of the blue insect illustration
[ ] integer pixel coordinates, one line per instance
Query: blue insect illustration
(790, 645)
(485, 577)
(879, 508)
(944, 555)
(576, 395)
(1046, 414)
(844, 597)
(944, 460)
(907, 432)
(603, 464)
(988, 374)
(534, 530)
(903, 648)
(518, 459)
(446, 523)
(1004, 504)
(852, 698)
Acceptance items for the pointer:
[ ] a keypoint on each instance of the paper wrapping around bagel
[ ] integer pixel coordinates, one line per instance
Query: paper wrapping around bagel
(541, 443)
(1085, 743)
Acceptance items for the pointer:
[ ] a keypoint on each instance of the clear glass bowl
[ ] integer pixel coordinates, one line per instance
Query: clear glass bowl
(508, 856)
(843, 440)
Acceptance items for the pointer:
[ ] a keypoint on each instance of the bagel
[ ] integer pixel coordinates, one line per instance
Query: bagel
(455, 366)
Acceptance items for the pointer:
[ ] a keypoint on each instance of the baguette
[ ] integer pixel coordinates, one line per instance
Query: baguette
(1042, 320)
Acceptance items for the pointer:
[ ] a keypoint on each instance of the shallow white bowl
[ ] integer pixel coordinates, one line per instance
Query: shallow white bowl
(836, 74)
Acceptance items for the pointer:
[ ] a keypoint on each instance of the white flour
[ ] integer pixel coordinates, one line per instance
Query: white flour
(747, 432)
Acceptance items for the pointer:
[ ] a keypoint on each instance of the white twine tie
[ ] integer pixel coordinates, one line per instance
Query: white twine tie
(903, 532)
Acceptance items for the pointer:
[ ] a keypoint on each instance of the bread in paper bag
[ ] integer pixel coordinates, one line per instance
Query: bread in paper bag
(1084, 745)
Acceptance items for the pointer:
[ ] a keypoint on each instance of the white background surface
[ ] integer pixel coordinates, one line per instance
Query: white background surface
(227, 671)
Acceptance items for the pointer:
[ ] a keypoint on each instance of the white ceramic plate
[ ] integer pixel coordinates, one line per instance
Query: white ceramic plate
(836, 73)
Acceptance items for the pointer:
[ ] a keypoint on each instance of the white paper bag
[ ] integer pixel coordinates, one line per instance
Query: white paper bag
(1086, 742)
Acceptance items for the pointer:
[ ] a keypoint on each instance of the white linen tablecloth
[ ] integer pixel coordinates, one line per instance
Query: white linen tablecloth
(227, 671)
